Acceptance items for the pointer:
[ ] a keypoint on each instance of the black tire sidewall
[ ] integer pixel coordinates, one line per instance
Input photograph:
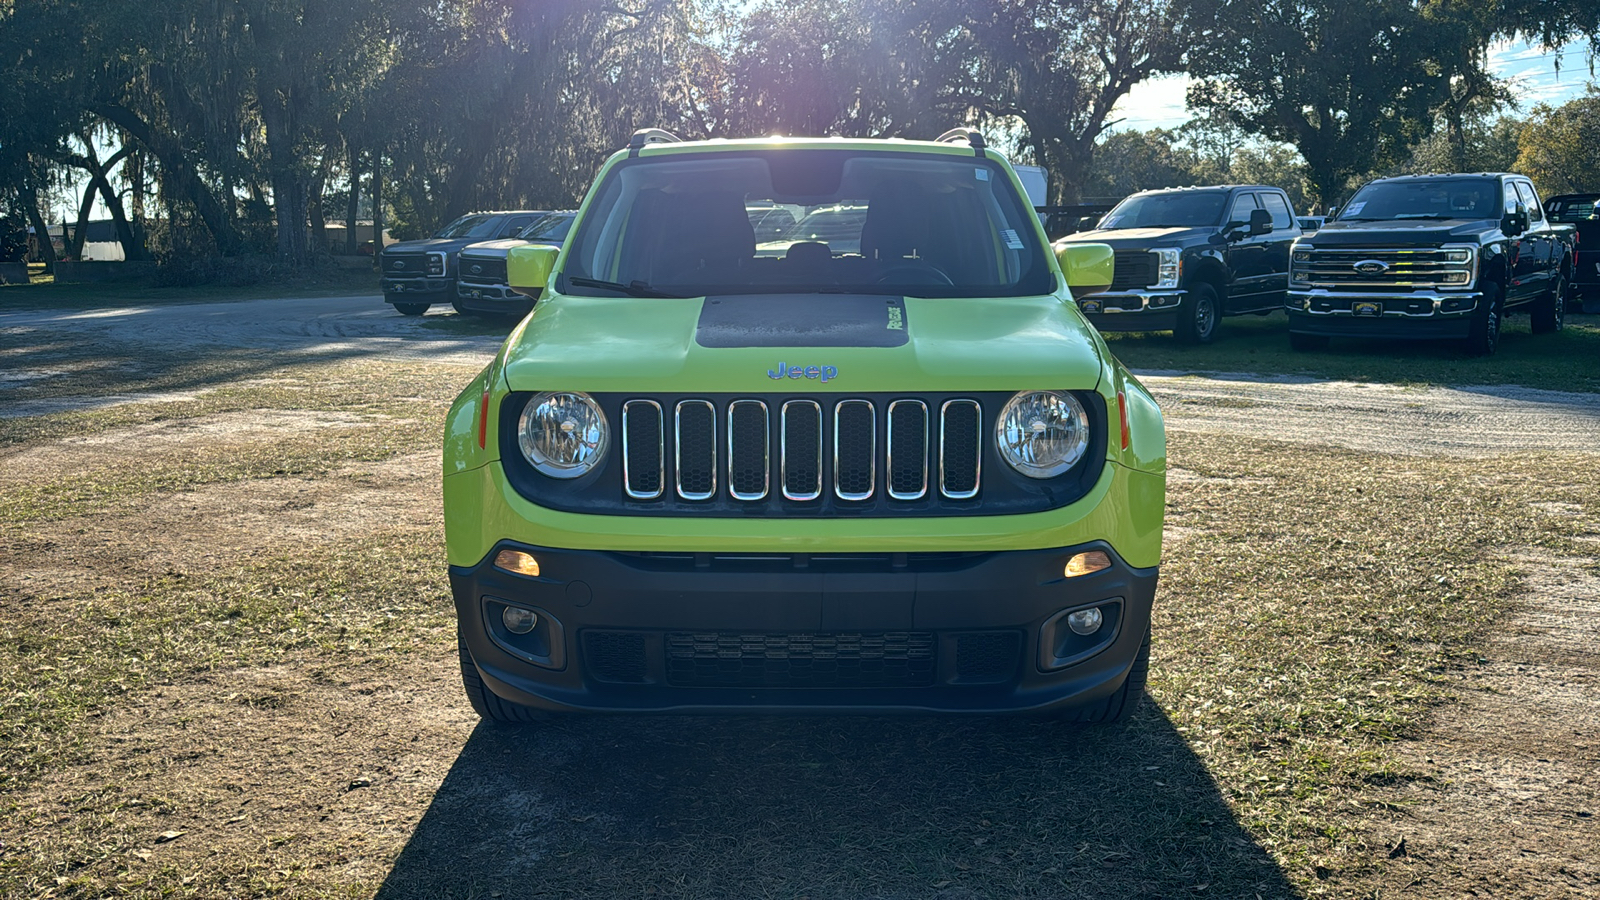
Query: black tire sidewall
(1196, 298)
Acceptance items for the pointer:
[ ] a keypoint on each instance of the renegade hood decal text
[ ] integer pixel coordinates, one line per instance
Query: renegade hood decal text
(784, 370)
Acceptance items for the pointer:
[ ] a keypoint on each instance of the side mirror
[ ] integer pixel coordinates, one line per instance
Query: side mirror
(1333, 213)
(1088, 223)
(1516, 221)
(528, 269)
(1260, 222)
(1088, 267)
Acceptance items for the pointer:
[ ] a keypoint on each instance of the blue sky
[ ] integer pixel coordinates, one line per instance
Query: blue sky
(1531, 71)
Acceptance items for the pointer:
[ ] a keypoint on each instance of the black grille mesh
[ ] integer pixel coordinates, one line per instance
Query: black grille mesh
(643, 434)
(748, 438)
(727, 659)
(697, 448)
(908, 449)
(616, 656)
(959, 455)
(857, 438)
(1134, 269)
(987, 655)
(803, 445)
(482, 271)
(413, 264)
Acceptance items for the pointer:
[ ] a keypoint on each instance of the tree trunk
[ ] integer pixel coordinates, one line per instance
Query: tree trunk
(75, 247)
(99, 178)
(184, 180)
(377, 206)
(352, 204)
(319, 221)
(47, 247)
(290, 186)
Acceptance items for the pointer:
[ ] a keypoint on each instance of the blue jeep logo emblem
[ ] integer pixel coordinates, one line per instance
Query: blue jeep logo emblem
(784, 370)
(1371, 267)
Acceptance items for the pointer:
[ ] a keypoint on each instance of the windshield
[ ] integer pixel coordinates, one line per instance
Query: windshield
(1186, 209)
(1454, 198)
(807, 221)
(551, 229)
(475, 226)
(1569, 210)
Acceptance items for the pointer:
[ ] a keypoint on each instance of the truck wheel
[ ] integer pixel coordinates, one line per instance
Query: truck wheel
(1197, 315)
(1119, 707)
(411, 309)
(1550, 311)
(1304, 342)
(1484, 333)
(460, 310)
(485, 703)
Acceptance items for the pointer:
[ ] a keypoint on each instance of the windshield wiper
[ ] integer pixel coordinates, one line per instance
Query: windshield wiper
(1426, 216)
(633, 288)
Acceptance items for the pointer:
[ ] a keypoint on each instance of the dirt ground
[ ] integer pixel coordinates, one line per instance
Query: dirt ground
(280, 768)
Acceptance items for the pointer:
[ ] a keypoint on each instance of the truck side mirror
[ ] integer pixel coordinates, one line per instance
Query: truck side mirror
(1260, 222)
(1516, 221)
(1088, 267)
(528, 269)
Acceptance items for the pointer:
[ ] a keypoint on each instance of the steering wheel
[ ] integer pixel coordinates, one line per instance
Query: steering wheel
(926, 274)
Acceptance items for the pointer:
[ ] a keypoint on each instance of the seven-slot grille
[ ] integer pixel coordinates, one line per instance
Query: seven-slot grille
(1134, 269)
(837, 448)
(482, 270)
(1399, 268)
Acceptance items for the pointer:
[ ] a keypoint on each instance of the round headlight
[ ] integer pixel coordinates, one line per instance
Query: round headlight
(1042, 433)
(564, 435)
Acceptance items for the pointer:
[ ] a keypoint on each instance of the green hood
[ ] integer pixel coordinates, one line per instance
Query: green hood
(603, 344)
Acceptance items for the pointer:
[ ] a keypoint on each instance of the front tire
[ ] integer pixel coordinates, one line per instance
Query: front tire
(1118, 708)
(1198, 315)
(411, 309)
(489, 706)
(1549, 313)
(1484, 334)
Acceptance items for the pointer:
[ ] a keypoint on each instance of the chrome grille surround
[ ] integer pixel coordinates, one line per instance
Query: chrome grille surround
(736, 439)
(784, 454)
(1402, 268)
(946, 475)
(711, 445)
(645, 407)
(919, 449)
(840, 410)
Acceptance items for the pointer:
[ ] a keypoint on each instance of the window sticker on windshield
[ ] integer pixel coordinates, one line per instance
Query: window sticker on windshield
(1355, 209)
(1011, 239)
(1110, 222)
(981, 174)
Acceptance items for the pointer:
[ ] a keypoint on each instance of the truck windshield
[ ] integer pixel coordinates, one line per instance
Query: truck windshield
(551, 229)
(1449, 198)
(1186, 209)
(474, 226)
(807, 221)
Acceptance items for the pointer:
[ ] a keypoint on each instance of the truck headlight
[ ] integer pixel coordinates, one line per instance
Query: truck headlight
(435, 263)
(1168, 267)
(1042, 433)
(564, 435)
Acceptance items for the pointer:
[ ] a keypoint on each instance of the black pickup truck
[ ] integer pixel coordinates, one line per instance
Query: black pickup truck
(1185, 257)
(1441, 257)
(1582, 212)
(418, 274)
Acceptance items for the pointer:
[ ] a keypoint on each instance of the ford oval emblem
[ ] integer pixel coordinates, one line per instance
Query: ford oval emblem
(1371, 267)
(399, 264)
(477, 270)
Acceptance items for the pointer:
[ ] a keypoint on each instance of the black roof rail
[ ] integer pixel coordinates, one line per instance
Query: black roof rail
(650, 136)
(972, 136)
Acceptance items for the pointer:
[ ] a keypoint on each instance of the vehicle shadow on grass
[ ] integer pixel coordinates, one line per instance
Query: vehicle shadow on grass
(830, 808)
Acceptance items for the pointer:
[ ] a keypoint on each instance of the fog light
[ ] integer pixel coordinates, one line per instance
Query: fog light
(517, 562)
(521, 621)
(1086, 563)
(1084, 621)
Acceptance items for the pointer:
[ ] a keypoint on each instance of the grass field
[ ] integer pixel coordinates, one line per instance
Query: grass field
(227, 650)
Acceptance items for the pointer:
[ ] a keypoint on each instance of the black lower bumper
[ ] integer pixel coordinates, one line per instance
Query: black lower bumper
(1420, 328)
(494, 301)
(1149, 320)
(418, 290)
(841, 633)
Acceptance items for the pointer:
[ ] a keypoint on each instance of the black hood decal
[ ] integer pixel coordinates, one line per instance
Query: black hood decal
(803, 320)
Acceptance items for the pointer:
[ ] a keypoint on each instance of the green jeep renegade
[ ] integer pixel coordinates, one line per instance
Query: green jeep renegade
(879, 463)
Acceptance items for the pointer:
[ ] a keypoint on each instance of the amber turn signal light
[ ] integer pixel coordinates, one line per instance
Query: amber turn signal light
(517, 562)
(1087, 563)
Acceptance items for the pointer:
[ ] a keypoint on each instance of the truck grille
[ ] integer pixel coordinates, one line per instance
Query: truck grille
(480, 270)
(405, 265)
(1134, 269)
(1363, 269)
(735, 446)
(867, 660)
